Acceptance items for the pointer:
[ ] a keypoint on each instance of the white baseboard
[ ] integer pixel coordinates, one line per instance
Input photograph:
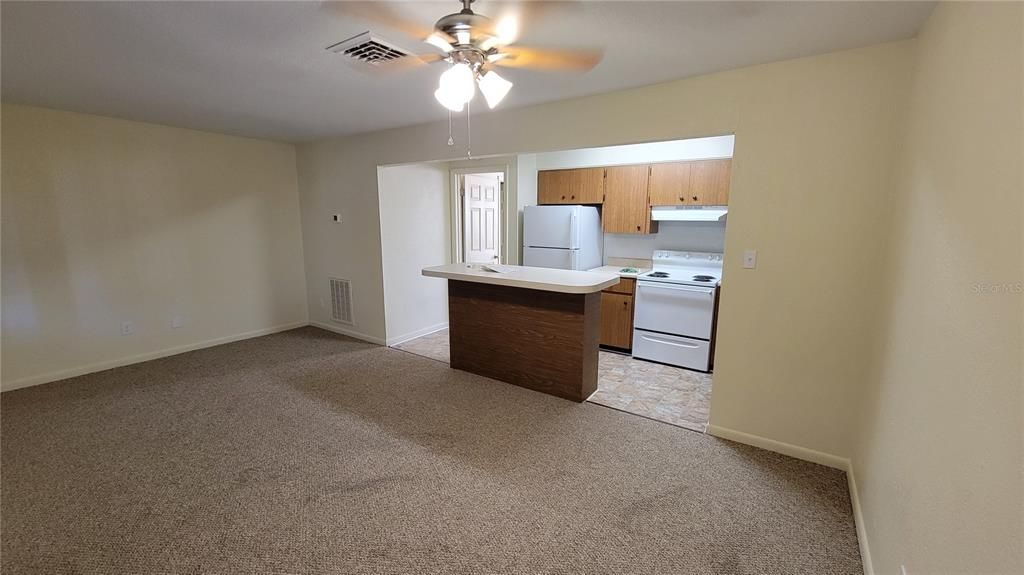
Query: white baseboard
(120, 362)
(858, 520)
(393, 341)
(349, 332)
(821, 458)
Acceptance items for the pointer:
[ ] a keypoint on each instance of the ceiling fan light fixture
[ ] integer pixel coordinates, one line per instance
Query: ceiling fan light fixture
(456, 87)
(494, 88)
(443, 98)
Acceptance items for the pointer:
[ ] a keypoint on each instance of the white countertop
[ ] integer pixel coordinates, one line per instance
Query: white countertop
(545, 279)
(617, 270)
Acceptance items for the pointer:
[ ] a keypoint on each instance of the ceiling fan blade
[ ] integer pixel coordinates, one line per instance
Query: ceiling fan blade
(544, 59)
(509, 19)
(382, 13)
(407, 63)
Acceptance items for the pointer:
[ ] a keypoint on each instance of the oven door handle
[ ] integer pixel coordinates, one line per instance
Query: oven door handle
(666, 342)
(705, 291)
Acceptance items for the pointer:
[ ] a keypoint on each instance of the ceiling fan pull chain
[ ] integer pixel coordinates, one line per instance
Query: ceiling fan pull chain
(451, 139)
(469, 133)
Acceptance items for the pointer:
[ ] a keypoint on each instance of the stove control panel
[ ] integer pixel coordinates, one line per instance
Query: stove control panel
(667, 256)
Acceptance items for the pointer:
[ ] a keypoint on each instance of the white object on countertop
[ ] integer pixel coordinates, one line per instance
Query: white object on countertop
(496, 268)
(544, 279)
(617, 270)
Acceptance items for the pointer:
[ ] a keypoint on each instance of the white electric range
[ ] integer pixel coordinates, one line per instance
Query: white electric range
(675, 308)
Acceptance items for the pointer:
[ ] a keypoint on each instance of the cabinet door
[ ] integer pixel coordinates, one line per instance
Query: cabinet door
(709, 182)
(577, 186)
(670, 184)
(626, 210)
(616, 320)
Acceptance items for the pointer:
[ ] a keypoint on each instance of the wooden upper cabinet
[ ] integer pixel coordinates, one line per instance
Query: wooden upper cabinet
(577, 186)
(626, 210)
(695, 183)
(709, 182)
(670, 184)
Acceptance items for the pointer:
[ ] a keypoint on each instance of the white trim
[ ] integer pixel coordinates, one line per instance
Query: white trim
(509, 201)
(821, 458)
(349, 332)
(399, 340)
(858, 521)
(123, 361)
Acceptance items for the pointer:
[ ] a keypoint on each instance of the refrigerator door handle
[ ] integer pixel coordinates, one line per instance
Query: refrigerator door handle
(574, 231)
(574, 259)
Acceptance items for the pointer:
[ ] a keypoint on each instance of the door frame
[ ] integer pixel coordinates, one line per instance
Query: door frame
(507, 252)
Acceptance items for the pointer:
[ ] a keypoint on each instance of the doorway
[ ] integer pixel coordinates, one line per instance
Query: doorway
(479, 232)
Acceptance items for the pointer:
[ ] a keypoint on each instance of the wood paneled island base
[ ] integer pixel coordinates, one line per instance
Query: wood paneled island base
(541, 340)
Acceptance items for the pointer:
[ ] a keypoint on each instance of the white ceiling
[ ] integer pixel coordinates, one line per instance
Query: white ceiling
(260, 69)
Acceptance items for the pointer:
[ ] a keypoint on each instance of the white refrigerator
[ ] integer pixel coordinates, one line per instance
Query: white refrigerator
(563, 237)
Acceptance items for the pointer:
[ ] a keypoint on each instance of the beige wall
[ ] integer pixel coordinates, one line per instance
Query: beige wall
(939, 458)
(814, 142)
(415, 223)
(107, 221)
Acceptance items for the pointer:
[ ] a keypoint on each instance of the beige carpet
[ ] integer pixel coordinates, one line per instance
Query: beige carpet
(306, 452)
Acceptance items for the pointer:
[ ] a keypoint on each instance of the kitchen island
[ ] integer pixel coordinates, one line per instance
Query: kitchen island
(537, 328)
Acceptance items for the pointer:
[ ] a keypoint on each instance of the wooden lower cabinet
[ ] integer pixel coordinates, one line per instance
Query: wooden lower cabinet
(617, 320)
(617, 314)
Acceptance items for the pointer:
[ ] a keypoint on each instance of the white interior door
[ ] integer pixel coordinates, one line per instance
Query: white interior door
(481, 217)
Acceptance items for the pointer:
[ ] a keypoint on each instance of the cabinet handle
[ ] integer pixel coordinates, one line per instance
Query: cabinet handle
(638, 228)
(563, 197)
(695, 198)
(573, 198)
(625, 304)
(682, 199)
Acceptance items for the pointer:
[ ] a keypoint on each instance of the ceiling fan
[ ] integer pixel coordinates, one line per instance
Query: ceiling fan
(473, 45)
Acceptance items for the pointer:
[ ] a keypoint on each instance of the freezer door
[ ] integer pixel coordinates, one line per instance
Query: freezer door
(551, 227)
(551, 258)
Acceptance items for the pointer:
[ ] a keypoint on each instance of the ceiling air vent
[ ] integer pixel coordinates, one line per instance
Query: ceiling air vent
(368, 49)
(341, 301)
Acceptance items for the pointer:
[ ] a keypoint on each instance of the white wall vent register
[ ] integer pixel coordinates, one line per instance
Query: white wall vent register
(341, 301)
(368, 49)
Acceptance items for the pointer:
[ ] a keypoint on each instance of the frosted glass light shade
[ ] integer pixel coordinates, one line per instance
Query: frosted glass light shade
(494, 88)
(456, 87)
(447, 102)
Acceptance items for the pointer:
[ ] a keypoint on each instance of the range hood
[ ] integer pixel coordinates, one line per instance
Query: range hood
(689, 213)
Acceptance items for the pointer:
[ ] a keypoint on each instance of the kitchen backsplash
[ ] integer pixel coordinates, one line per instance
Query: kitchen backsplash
(684, 236)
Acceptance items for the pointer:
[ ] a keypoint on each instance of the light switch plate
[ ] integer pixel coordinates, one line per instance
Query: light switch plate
(750, 259)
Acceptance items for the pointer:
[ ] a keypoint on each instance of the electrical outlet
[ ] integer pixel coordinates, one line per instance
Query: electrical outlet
(750, 259)
(127, 327)
(177, 322)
